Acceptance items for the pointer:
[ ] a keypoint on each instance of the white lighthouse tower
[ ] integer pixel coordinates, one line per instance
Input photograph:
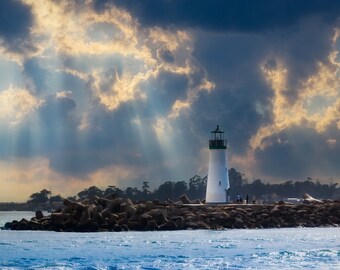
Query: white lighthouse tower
(218, 179)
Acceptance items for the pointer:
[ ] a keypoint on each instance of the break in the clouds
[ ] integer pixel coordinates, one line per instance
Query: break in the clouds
(117, 92)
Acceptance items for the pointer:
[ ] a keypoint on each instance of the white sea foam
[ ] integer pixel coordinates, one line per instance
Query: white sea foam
(294, 248)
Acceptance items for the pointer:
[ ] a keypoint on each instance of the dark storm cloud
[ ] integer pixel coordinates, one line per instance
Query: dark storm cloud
(300, 152)
(223, 15)
(231, 40)
(167, 56)
(15, 23)
(163, 92)
(297, 31)
(239, 106)
(302, 49)
(242, 100)
(238, 118)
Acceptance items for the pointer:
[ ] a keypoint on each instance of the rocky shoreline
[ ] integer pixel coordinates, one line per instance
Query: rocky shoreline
(118, 214)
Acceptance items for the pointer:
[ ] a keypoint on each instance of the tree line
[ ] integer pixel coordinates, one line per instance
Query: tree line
(195, 188)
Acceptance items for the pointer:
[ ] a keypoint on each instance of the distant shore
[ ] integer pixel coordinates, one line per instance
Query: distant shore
(118, 214)
(13, 206)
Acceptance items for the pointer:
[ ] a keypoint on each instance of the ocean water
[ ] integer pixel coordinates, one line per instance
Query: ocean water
(293, 248)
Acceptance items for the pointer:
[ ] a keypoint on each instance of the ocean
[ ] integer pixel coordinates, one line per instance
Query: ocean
(287, 248)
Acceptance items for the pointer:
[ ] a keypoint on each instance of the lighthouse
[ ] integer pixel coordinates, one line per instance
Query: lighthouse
(218, 179)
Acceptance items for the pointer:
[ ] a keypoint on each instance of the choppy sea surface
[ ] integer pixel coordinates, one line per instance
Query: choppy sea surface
(293, 248)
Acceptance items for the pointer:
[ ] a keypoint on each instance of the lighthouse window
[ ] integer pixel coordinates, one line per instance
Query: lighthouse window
(219, 183)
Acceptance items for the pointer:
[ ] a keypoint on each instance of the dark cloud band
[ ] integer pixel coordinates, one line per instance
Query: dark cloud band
(224, 15)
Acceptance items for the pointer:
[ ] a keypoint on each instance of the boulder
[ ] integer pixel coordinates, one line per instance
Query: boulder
(8, 226)
(111, 196)
(239, 223)
(56, 218)
(114, 205)
(68, 209)
(184, 199)
(105, 213)
(275, 212)
(144, 219)
(152, 225)
(309, 199)
(130, 209)
(92, 211)
(141, 208)
(169, 226)
(104, 202)
(113, 218)
(67, 202)
(196, 201)
(39, 214)
(160, 216)
(134, 225)
(79, 206)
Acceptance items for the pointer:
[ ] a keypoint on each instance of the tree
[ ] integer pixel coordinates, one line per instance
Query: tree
(56, 198)
(132, 193)
(165, 191)
(180, 188)
(90, 192)
(238, 183)
(113, 190)
(257, 188)
(39, 197)
(197, 187)
(145, 187)
(237, 180)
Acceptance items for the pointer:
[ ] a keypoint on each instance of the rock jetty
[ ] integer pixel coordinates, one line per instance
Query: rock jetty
(119, 214)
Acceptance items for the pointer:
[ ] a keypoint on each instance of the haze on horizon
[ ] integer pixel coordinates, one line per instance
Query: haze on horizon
(102, 92)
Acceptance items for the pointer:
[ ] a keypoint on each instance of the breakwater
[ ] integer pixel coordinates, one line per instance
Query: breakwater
(118, 214)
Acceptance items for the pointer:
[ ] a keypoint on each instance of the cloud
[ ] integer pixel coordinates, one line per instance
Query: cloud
(16, 21)
(16, 104)
(300, 152)
(315, 96)
(240, 101)
(112, 89)
(222, 15)
(21, 177)
(141, 75)
(66, 25)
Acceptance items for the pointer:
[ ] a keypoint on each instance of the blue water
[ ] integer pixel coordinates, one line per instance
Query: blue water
(293, 248)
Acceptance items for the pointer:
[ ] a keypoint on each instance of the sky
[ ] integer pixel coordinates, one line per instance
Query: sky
(104, 92)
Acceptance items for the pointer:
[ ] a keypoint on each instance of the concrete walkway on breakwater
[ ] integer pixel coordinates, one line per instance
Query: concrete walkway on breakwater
(225, 204)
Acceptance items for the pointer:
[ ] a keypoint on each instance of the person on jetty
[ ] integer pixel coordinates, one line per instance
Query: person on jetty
(238, 198)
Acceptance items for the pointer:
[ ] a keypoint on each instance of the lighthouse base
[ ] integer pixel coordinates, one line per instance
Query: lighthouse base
(218, 180)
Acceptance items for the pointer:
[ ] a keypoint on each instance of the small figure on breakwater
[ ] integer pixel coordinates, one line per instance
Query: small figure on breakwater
(238, 198)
